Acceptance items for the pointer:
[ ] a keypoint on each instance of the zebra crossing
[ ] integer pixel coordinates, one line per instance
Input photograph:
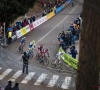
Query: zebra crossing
(51, 83)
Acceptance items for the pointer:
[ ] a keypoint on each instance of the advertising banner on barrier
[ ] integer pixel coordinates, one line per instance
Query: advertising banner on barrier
(50, 15)
(14, 37)
(68, 59)
(39, 21)
(18, 33)
(31, 26)
(59, 9)
(23, 31)
(27, 28)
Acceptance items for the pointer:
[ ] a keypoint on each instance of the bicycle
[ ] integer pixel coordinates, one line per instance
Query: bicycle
(44, 60)
(56, 64)
(31, 54)
(21, 49)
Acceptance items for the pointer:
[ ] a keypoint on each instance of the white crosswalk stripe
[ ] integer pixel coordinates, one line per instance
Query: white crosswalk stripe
(28, 77)
(66, 83)
(40, 79)
(53, 81)
(16, 75)
(5, 73)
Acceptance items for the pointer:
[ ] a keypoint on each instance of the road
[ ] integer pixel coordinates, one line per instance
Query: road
(45, 34)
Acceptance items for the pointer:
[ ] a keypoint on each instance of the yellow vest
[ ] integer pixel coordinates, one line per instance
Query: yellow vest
(9, 34)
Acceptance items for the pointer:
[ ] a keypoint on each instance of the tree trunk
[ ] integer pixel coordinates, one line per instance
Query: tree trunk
(89, 58)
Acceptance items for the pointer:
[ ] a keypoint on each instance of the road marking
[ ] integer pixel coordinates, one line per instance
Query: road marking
(15, 76)
(40, 79)
(5, 73)
(56, 26)
(53, 81)
(28, 77)
(66, 83)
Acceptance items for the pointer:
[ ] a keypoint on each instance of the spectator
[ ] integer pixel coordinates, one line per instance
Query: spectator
(42, 3)
(33, 18)
(63, 36)
(16, 86)
(73, 52)
(9, 37)
(25, 62)
(9, 86)
(1, 88)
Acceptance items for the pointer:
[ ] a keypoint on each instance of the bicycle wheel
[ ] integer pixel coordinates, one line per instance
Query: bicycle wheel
(46, 61)
(21, 50)
(59, 66)
(37, 56)
(53, 65)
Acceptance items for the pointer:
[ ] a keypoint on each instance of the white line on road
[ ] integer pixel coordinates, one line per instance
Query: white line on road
(40, 79)
(5, 73)
(53, 81)
(28, 77)
(16, 75)
(55, 26)
(66, 83)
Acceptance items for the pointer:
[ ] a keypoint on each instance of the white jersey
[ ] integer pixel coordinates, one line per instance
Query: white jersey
(58, 55)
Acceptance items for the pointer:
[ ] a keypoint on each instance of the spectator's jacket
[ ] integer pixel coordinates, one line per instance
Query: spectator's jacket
(8, 87)
(9, 34)
(15, 88)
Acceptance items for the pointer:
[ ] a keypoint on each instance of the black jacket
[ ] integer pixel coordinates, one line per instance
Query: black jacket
(8, 87)
(15, 88)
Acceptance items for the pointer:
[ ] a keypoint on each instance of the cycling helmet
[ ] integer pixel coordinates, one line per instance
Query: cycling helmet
(33, 41)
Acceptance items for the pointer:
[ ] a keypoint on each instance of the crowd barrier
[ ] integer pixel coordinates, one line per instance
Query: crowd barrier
(68, 59)
(69, 1)
(38, 22)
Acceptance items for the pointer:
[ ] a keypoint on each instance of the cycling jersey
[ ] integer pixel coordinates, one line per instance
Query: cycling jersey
(40, 49)
(58, 55)
(22, 41)
(32, 45)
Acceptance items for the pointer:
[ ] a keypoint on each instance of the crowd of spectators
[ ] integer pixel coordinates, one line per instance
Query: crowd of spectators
(68, 39)
(48, 6)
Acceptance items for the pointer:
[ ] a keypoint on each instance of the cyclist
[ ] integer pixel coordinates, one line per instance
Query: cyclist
(30, 51)
(22, 41)
(46, 52)
(58, 57)
(40, 49)
(32, 44)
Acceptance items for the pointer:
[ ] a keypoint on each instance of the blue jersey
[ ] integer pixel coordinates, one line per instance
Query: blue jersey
(22, 41)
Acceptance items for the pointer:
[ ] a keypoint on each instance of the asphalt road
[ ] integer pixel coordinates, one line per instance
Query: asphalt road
(45, 34)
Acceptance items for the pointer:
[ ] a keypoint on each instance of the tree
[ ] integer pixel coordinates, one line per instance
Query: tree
(11, 9)
(89, 58)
